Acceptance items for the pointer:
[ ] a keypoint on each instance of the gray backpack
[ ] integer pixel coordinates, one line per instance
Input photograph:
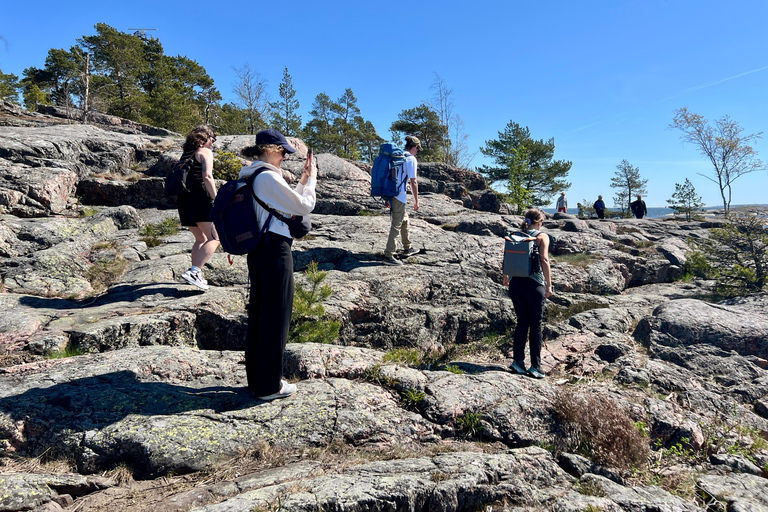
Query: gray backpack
(521, 254)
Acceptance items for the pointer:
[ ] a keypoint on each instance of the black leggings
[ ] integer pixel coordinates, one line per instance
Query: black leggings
(270, 268)
(528, 299)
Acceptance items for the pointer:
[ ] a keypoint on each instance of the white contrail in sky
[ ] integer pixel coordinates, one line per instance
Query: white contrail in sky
(684, 91)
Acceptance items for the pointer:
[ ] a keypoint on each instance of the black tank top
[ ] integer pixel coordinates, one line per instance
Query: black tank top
(197, 171)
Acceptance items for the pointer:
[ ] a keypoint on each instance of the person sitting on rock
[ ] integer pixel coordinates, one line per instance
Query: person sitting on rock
(528, 296)
(195, 207)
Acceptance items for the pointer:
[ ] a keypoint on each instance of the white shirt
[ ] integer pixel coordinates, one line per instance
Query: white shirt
(270, 187)
(408, 169)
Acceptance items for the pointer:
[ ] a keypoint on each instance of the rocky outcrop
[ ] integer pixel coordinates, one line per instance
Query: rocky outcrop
(159, 386)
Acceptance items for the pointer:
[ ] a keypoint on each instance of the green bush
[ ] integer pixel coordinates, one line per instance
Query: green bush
(412, 398)
(406, 356)
(226, 165)
(308, 322)
(469, 423)
(151, 233)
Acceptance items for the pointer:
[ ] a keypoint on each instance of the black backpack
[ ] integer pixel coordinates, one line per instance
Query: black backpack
(234, 216)
(179, 180)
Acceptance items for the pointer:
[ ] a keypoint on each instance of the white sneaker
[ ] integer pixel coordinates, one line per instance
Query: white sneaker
(286, 390)
(196, 279)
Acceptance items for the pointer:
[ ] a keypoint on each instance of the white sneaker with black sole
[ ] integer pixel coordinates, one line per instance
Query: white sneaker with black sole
(286, 390)
(195, 279)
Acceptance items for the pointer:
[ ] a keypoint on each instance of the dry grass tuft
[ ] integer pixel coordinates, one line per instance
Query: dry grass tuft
(597, 427)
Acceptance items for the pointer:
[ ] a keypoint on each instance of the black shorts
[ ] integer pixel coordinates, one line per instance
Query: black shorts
(194, 207)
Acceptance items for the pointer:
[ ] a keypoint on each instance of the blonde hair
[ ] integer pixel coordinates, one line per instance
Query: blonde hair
(268, 149)
(531, 216)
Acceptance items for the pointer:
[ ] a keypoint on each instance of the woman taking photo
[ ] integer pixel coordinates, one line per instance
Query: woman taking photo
(270, 266)
(528, 296)
(195, 207)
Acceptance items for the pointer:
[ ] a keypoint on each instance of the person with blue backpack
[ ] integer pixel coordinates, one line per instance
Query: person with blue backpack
(528, 296)
(398, 214)
(270, 264)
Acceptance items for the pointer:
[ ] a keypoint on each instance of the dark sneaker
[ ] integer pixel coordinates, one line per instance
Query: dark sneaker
(392, 261)
(286, 390)
(518, 368)
(536, 373)
(195, 279)
(405, 253)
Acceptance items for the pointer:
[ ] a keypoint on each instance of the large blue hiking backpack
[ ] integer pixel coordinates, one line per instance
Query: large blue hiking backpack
(234, 215)
(385, 172)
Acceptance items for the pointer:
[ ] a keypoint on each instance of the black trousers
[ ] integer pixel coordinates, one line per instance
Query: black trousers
(528, 299)
(270, 268)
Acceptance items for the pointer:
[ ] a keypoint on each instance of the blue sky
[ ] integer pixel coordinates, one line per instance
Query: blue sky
(602, 77)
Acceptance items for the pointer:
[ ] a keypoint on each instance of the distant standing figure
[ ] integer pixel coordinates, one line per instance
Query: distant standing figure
(195, 207)
(398, 214)
(600, 207)
(528, 296)
(638, 207)
(562, 203)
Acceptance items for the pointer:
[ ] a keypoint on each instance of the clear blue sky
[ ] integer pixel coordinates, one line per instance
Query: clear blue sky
(601, 77)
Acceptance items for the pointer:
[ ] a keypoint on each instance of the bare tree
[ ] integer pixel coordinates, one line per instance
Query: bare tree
(725, 146)
(252, 96)
(456, 151)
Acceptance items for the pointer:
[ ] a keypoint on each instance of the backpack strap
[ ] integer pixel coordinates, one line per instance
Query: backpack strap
(272, 212)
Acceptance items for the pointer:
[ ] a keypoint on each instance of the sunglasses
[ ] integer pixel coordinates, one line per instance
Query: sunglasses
(213, 139)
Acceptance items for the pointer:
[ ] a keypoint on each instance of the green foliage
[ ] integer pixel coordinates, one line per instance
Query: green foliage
(284, 116)
(412, 398)
(579, 259)
(526, 166)
(424, 123)
(69, 351)
(696, 265)
(307, 320)
(151, 233)
(586, 208)
(628, 183)
(87, 211)
(685, 201)
(469, 423)
(454, 369)
(408, 356)
(598, 427)
(736, 256)
(724, 145)
(226, 165)
(9, 88)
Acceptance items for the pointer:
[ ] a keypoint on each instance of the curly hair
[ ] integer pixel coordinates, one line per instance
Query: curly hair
(531, 216)
(261, 149)
(197, 138)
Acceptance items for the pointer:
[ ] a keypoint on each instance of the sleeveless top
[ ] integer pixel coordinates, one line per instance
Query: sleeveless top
(196, 173)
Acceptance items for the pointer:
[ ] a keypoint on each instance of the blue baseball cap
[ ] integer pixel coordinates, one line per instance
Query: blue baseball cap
(272, 136)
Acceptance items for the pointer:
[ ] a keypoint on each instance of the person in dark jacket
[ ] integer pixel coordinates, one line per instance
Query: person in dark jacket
(638, 207)
(600, 207)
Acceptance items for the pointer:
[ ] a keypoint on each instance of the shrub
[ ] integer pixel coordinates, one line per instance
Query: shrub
(151, 233)
(412, 398)
(69, 351)
(307, 320)
(104, 273)
(454, 369)
(737, 255)
(469, 423)
(597, 427)
(226, 165)
(406, 356)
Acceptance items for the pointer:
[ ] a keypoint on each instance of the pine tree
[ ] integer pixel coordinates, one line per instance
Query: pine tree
(284, 116)
(685, 200)
(627, 182)
(308, 322)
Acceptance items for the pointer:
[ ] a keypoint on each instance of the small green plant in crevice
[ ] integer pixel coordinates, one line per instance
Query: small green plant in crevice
(577, 259)
(592, 508)
(104, 244)
(407, 356)
(69, 351)
(469, 423)
(87, 211)
(454, 369)
(308, 322)
(367, 213)
(412, 398)
(226, 165)
(151, 233)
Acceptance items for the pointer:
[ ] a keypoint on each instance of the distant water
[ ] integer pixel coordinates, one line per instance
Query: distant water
(653, 212)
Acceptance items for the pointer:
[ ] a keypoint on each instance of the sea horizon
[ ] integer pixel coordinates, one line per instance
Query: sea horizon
(657, 211)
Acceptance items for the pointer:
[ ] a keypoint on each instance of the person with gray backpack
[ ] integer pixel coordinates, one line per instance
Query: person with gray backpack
(529, 276)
